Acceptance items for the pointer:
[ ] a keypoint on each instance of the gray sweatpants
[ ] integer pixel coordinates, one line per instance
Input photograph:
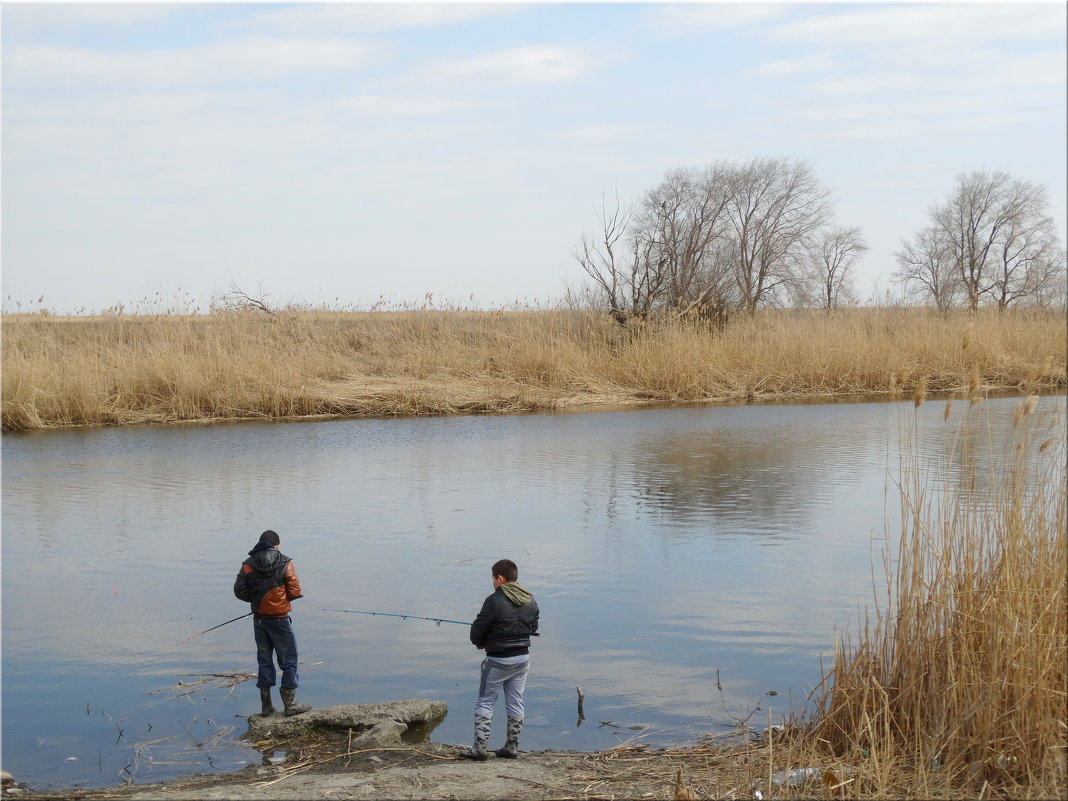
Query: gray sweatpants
(509, 673)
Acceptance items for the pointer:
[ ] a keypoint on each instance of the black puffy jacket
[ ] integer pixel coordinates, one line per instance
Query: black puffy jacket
(268, 581)
(506, 622)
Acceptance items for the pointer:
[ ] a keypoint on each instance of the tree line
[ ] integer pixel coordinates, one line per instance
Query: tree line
(739, 236)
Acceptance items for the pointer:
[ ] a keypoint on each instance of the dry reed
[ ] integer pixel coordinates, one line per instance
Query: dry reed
(957, 687)
(120, 368)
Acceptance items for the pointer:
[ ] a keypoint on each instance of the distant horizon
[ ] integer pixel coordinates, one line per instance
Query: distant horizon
(342, 155)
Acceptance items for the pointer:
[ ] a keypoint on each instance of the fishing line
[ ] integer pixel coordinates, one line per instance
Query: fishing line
(438, 620)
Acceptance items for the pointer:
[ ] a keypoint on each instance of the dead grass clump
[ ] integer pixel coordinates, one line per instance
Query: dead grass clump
(958, 687)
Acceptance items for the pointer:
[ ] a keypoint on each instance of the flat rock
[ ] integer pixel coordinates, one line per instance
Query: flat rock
(373, 725)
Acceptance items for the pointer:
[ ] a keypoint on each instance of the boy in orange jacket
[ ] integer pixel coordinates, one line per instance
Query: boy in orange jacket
(268, 581)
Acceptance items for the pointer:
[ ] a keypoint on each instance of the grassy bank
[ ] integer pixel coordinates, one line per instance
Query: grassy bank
(957, 686)
(76, 371)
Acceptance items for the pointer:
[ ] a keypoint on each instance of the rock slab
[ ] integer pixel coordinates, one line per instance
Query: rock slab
(373, 725)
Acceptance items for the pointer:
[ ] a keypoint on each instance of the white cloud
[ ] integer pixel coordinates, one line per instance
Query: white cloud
(531, 65)
(850, 110)
(870, 83)
(924, 24)
(234, 60)
(364, 18)
(598, 134)
(522, 161)
(403, 105)
(59, 16)
(690, 18)
(1026, 69)
(974, 72)
(930, 51)
(816, 62)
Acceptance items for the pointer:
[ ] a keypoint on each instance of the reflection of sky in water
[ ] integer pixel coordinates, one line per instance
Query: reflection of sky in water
(665, 547)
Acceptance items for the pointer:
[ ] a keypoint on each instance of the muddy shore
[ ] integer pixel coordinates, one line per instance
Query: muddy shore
(435, 771)
(384, 751)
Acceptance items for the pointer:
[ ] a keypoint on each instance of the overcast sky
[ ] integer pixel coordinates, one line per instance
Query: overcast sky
(341, 153)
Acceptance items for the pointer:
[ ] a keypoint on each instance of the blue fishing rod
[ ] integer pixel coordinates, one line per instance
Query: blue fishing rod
(438, 620)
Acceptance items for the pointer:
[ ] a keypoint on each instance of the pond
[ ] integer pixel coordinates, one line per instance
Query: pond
(692, 566)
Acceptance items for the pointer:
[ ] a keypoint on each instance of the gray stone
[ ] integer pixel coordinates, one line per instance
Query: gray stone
(373, 725)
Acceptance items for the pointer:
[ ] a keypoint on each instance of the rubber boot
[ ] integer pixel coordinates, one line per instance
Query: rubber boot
(511, 747)
(265, 700)
(289, 698)
(482, 733)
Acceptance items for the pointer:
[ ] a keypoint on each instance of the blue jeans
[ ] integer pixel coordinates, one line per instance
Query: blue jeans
(507, 675)
(274, 637)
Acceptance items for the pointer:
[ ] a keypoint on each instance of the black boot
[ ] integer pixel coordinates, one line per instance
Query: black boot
(265, 699)
(289, 698)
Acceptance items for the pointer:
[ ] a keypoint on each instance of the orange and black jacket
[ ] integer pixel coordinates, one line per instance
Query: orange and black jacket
(268, 581)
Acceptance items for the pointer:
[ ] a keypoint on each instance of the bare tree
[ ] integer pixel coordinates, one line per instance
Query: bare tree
(719, 290)
(970, 220)
(774, 207)
(996, 237)
(236, 299)
(683, 219)
(975, 218)
(1026, 250)
(1045, 284)
(926, 269)
(658, 255)
(624, 268)
(704, 241)
(832, 255)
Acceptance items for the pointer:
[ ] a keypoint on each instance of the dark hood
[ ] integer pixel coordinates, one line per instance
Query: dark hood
(266, 558)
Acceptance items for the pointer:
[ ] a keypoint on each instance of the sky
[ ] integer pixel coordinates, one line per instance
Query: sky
(348, 154)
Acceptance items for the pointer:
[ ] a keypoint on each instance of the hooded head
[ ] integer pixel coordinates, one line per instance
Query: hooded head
(506, 569)
(269, 540)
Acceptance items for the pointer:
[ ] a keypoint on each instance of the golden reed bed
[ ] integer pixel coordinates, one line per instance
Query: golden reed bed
(96, 371)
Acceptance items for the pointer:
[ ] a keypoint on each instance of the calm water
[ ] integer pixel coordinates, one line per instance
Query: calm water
(667, 549)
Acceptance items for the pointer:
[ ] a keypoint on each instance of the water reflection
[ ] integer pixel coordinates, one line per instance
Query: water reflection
(673, 553)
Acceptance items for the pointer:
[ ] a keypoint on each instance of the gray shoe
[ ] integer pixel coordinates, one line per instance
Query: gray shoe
(289, 698)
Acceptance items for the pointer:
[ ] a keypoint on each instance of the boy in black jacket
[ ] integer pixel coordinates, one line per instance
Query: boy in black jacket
(504, 626)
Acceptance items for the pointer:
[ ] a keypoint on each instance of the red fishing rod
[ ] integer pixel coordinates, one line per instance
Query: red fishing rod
(241, 617)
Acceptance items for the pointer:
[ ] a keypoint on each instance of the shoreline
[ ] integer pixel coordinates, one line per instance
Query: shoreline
(584, 406)
(435, 771)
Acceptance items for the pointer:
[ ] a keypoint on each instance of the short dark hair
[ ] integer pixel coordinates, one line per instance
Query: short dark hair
(270, 537)
(506, 568)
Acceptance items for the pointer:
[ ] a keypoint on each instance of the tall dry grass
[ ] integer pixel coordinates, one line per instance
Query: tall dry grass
(123, 368)
(958, 687)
